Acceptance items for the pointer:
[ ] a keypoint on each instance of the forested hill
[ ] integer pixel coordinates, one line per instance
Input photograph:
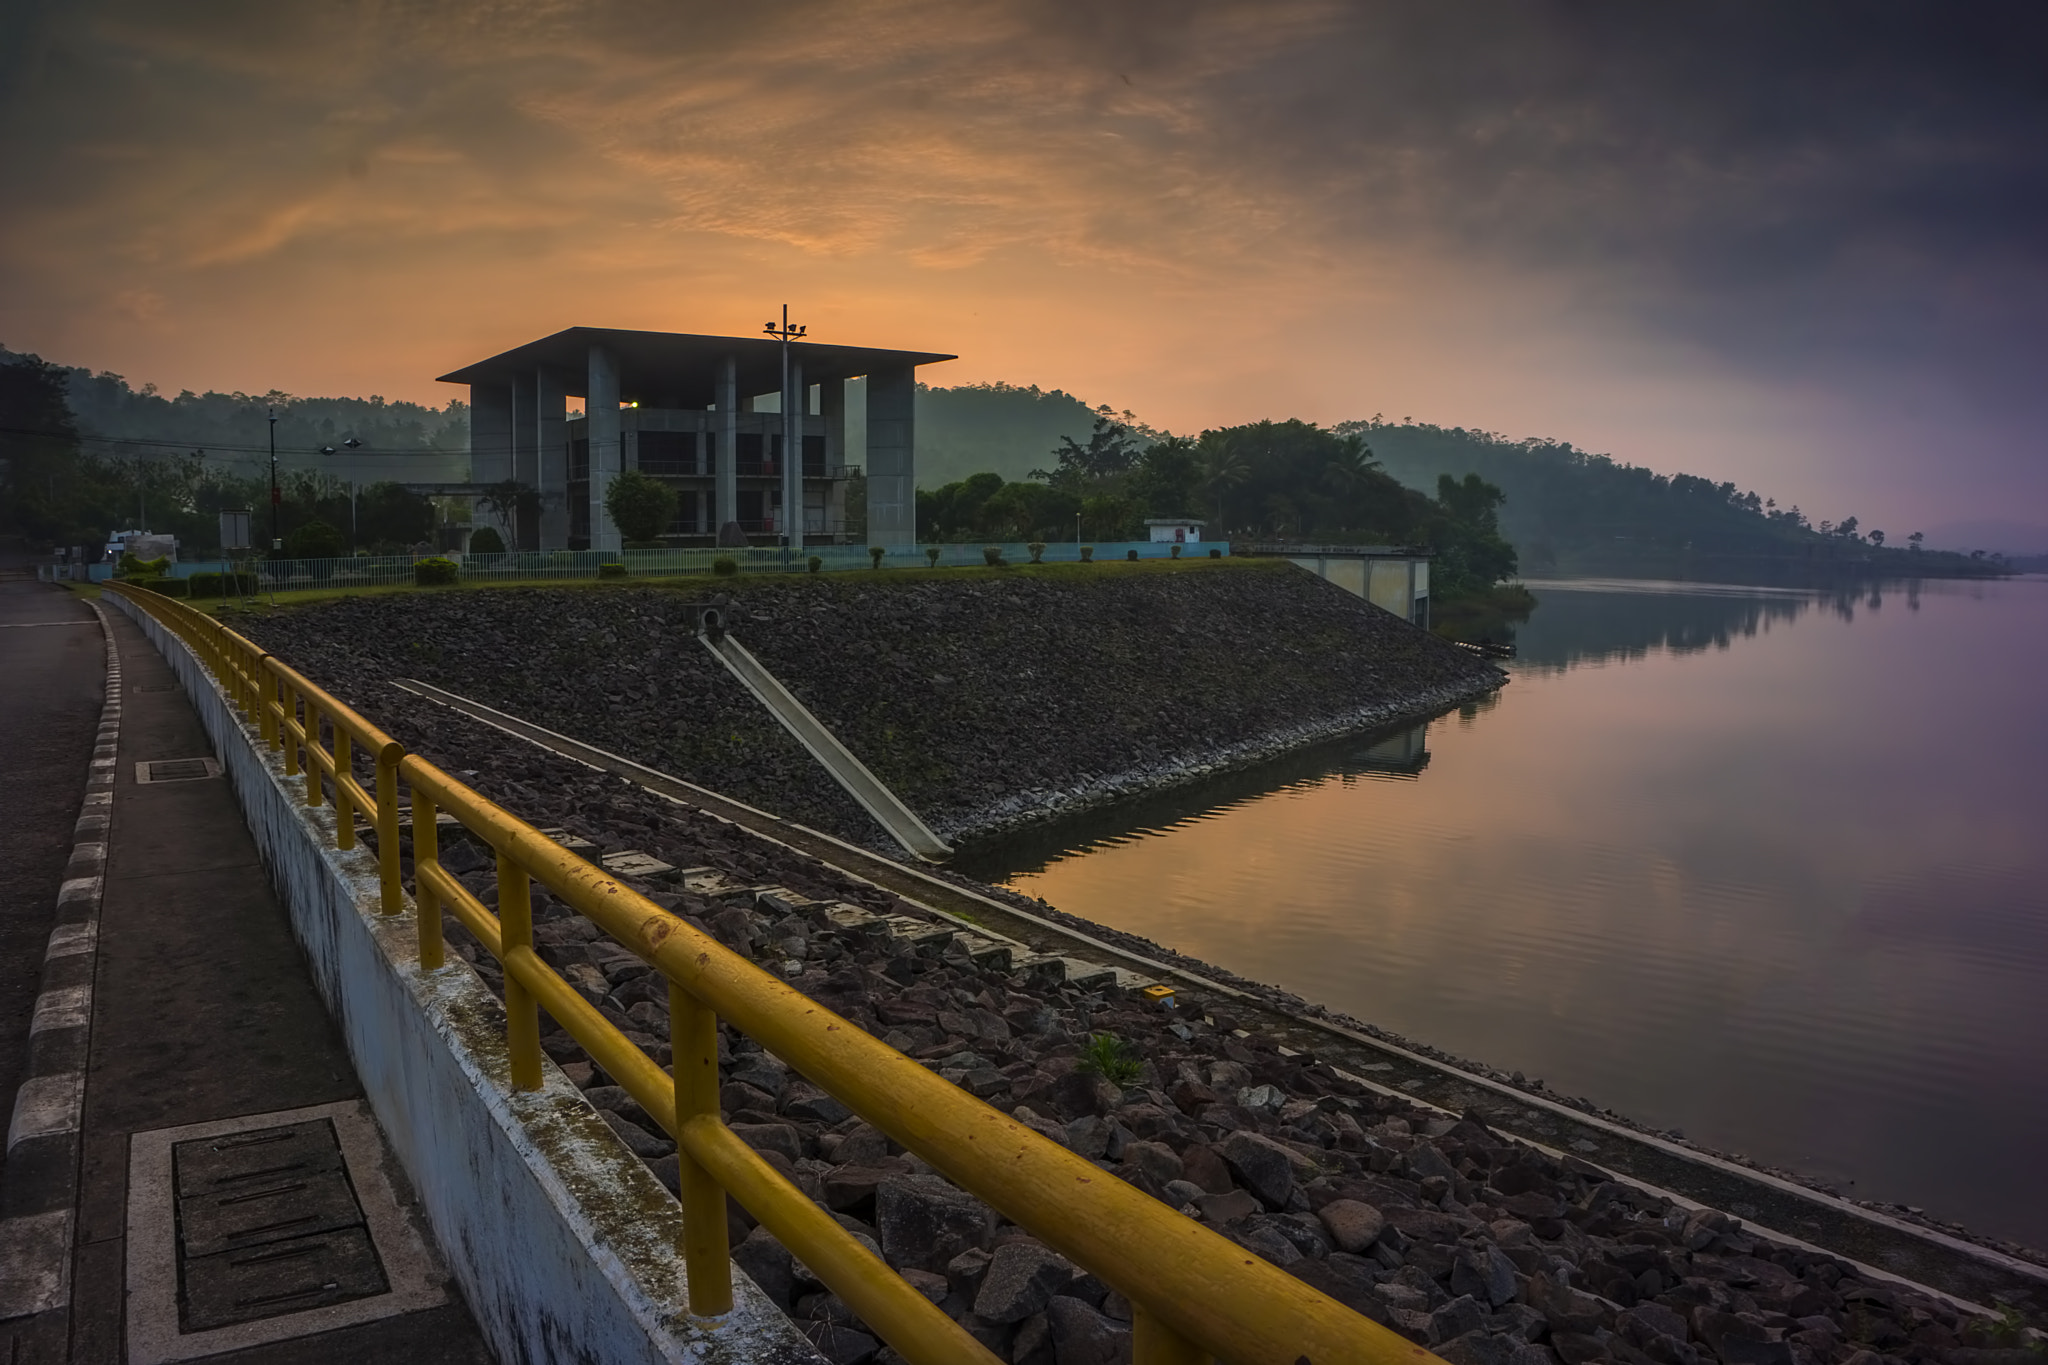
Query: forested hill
(1570, 511)
(121, 422)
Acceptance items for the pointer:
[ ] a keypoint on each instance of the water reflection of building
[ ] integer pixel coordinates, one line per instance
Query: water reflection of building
(1402, 755)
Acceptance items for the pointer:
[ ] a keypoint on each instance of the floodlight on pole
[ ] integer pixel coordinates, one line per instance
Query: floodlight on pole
(792, 440)
(276, 540)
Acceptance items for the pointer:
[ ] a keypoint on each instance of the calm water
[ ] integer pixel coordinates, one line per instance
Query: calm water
(1766, 866)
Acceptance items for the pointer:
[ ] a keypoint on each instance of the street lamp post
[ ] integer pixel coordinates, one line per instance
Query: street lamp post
(352, 443)
(276, 540)
(792, 442)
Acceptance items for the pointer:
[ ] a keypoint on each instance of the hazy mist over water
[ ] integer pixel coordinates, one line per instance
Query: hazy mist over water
(1766, 866)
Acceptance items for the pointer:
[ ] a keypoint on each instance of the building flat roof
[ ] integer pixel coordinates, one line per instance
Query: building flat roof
(678, 369)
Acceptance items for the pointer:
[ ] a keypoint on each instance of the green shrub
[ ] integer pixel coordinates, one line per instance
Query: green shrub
(611, 571)
(438, 571)
(640, 505)
(1087, 554)
(1175, 552)
(931, 555)
(725, 566)
(875, 553)
(203, 585)
(486, 542)
(1037, 548)
(131, 567)
(993, 555)
(315, 540)
(169, 587)
(1131, 555)
(1111, 1058)
(1215, 552)
(815, 563)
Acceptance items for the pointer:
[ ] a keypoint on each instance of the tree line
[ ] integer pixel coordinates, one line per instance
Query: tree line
(82, 455)
(1281, 480)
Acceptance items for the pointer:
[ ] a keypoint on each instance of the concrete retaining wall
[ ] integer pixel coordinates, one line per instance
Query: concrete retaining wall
(562, 1242)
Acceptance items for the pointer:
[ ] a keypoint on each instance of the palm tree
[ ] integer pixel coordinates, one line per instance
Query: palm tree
(1223, 466)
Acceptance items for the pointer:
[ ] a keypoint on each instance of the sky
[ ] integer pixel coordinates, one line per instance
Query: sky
(1803, 246)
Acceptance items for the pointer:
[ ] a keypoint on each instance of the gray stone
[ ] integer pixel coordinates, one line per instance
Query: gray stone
(1083, 1336)
(1353, 1225)
(1485, 1273)
(1155, 1159)
(1480, 1348)
(1033, 1343)
(772, 1137)
(841, 1345)
(637, 1139)
(925, 1222)
(801, 1099)
(1425, 1161)
(964, 1272)
(1021, 1280)
(1646, 1320)
(769, 1264)
(1181, 1193)
(1461, 1315)
(1269, 1242)
(1735, 1350)
(1260, 1166)
(1227, 1208)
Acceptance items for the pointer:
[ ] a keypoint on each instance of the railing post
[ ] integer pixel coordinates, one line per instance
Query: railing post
(522, 1011)
(387, 834)
(287, 721)
(693, 1037)
(426, 851)
(344, 807)
(312, 741)
(270, 687)
(1154, 1343)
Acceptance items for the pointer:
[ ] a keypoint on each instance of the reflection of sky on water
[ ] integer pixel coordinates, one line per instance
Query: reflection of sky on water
(1765, 866)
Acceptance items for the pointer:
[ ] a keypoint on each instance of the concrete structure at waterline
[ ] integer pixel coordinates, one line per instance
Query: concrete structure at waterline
(704, 414)
(1384, 575)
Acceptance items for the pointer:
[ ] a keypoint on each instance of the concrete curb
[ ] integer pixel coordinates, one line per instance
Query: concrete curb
(39, 1199)
(564, 1244)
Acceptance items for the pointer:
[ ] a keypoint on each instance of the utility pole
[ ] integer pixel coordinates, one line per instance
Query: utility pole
(792, 444)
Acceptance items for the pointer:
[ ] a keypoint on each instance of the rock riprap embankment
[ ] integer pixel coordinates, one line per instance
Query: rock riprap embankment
(1486, 1250)
(985, 698)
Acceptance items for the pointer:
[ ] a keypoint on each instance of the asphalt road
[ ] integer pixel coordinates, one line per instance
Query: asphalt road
(52, 667)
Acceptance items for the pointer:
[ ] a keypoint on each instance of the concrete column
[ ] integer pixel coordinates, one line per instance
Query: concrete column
(727, 512)
(490, 432)
(522, 531)
(606, 456)
(795, 400)
(832, 409)
(892, 458)
(551, 423)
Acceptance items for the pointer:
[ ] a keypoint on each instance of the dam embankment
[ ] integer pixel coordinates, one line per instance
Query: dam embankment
(985, 699)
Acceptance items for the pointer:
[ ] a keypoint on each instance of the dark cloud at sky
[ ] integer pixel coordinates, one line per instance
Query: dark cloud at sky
(1827, 222)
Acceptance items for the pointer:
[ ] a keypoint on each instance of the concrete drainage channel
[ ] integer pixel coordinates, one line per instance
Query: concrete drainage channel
(1972, 1276)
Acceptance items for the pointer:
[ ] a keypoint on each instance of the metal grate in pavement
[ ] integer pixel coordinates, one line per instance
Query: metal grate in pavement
(158, 770)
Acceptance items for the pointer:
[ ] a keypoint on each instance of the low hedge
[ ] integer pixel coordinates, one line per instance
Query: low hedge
(436, 572)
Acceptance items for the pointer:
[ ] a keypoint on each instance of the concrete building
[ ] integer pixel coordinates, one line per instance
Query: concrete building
(690, 410)
(1387, 576)
(1176, 530)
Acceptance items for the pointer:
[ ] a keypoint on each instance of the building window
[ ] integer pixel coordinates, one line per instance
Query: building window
(668, 453)
(684, 523)
(814, 457)
(579, 459)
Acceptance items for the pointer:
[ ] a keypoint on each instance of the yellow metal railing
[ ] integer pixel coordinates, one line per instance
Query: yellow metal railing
(1195, 1295)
